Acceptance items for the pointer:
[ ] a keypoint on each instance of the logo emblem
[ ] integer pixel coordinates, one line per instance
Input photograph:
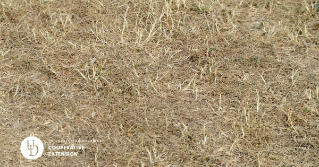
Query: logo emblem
(31, 147)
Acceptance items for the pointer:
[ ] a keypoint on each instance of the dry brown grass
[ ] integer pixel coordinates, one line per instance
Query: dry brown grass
(162, 83)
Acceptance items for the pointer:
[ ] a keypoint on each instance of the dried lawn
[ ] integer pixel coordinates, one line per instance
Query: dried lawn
(162, 83)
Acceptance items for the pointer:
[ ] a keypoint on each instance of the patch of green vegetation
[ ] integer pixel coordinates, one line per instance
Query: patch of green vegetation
(199, 9)
(254, 58)
(260, 25)
(316, 6)
(238, 59)
(194, 58)
(300, 32)
(223, 12)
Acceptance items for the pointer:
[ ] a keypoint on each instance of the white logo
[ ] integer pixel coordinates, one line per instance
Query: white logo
(32, 147)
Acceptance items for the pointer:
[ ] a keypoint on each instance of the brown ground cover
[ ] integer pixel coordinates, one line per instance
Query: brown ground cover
(161, 83)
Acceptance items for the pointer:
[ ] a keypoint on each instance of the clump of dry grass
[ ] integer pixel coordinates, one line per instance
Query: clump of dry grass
(175, 82)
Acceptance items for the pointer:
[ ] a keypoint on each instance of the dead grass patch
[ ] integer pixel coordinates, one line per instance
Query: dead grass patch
(176, 82)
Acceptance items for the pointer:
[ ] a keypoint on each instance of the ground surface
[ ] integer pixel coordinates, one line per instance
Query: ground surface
(210, 83)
